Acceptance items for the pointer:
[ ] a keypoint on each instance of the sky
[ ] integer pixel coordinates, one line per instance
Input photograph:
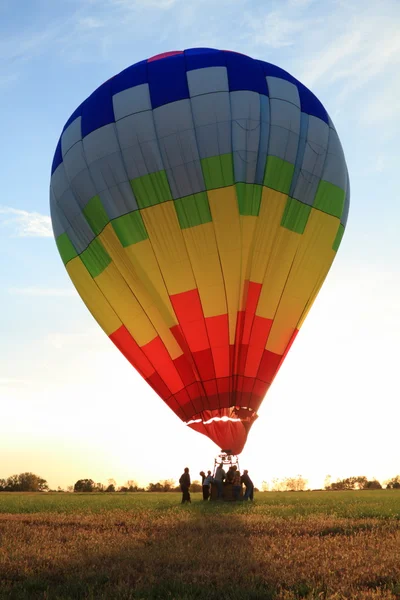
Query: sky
(71, 406)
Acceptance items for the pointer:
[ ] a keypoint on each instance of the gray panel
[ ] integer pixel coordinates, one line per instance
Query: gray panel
(101, 142)
(306, 187)
(118, 200)
(58, 220)
(108, 171)
(138, 140)
(80, 233)
(69, 206)
(245, 134)
(74, 161)
(346, 207)
(83, 187)
(207, 80)
(71, 135)
(178, 147)
(335, 167)
(300, 155)
(285, 130)
(59, 181)
(132, 100)
(264, 138)
(212, 120)
(186, 179)
(285, 90)
(316, 147)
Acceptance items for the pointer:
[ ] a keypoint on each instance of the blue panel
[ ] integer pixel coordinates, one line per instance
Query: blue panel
(57, 160)
(244, 73)
(310, 103)
(198, 58)
(167, 80)
(130, 77)
(97, 110)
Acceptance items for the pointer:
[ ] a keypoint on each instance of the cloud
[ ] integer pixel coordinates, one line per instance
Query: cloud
(37, 291)
(280, 27)
(24, 223)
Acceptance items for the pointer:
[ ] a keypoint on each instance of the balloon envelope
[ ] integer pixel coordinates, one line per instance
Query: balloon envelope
(198, 199)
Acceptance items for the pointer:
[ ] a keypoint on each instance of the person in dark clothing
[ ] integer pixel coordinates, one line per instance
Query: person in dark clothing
(249, 491)
(185, 482)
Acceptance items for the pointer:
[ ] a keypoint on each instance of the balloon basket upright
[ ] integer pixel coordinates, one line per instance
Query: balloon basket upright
(227, 459)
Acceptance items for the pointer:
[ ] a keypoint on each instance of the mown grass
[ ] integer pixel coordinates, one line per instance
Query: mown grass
(285, 546)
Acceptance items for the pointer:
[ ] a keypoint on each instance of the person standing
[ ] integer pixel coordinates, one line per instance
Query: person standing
(249, 491)
(206, 485)
(185, 482)
(219, 477)
(237, 483)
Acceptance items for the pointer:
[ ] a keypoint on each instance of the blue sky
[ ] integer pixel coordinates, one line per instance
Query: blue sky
(334, 406)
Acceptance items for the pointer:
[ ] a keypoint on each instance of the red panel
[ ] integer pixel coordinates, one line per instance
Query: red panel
(205, 364)
(253, 295)
(269, 365)
(241, 359)
(260, 388)
(160, 358)
(175, 406)
(159, 386)
(227, 435)
(260, 331)
(248, 384)
(218, 330)
(221, 361)
(223, 385)
(225, 400)
(184, 401)
(132, 352)
(176, 331)
(210, 387)
(254, 356)
(189, 312)
(185, 369)
(164, 55)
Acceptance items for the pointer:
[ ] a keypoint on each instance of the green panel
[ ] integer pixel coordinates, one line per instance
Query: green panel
(193, 210)
(95, 258)
(249, 198)
(218, 171)
(295, 215)
(278, 174)
(338, 238)
(130, 228)
(330, 199)
(151, 189)
(95, 215)
(65, 248)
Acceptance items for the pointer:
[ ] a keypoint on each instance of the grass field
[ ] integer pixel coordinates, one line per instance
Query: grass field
(140, 546)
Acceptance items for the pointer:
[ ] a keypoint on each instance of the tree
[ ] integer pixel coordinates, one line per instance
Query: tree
(84, 485)
(394, 483)
(327, 482)
(131, 485)
(3, 485)
(374, 484)
(196, 486)
(26, 482)
(110, 488)
(265, 486)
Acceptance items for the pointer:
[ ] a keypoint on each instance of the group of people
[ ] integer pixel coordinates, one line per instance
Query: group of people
(219, 479)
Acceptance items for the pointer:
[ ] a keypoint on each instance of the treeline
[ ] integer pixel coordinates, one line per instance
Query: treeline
(300, 484)
(29, 482)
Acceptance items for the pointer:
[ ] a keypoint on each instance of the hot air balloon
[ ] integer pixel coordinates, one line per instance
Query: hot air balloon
(198, 199)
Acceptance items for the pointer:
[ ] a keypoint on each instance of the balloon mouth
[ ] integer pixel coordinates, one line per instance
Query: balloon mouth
(226, 427)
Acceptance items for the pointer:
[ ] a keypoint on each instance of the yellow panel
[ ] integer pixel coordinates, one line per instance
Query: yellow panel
(279, 262)
(144, 262)
(146, 297)
(203, 253)
(167, 241)
(92, 296)
(311, 264)
(268, 225)
(225, 214)
(121, 298)
(248, 226)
